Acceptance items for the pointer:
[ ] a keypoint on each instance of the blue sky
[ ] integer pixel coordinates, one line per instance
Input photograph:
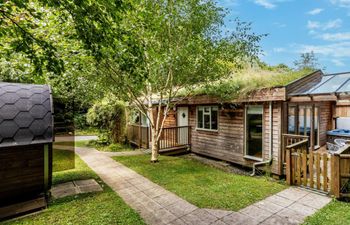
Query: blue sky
(297, 26)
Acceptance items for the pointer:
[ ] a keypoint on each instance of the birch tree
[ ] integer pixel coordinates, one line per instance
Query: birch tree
(175, 45)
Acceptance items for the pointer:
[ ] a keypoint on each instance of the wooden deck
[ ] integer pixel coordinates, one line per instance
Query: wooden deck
(173, 140)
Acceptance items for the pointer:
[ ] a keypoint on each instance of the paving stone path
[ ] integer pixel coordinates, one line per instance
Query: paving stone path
(74, 188)
(159, 206)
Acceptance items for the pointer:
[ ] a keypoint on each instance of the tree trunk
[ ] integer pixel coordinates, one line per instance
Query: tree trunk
(155, 147)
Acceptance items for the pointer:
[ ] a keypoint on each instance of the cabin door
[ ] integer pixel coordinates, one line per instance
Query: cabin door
(182, 123)
(254, 131)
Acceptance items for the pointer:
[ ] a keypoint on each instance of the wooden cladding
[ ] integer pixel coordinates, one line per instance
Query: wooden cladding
(22, 173)
(341, 173)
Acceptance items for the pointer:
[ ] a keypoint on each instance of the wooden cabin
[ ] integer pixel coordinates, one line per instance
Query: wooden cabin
(26, 136)
(256, 129)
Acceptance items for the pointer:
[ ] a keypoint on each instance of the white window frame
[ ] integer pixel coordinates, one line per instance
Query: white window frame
(210, 115)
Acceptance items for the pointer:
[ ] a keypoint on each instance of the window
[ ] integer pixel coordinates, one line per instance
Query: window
(299, 121)
(254, 131)
(207, 117)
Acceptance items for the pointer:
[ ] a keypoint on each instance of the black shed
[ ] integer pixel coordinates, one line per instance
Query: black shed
(26, 136)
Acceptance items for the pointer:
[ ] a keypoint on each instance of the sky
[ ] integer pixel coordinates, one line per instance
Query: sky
(297, 26)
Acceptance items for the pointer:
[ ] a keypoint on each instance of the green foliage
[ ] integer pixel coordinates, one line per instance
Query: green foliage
(76, 81)
(109, 114)
(242, 83)
(202, 185)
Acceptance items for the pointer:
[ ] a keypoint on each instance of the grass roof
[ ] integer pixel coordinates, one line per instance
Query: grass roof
(239, 84)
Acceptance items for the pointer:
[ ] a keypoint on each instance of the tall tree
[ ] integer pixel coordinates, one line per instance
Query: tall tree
(166, 46)
(307, 60)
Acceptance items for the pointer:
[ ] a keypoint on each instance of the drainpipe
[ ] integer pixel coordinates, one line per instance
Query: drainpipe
(270, 147)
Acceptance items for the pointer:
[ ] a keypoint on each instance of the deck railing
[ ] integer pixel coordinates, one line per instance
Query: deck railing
(174, 137)
(171, 137)
(138, 135)
(293, 142)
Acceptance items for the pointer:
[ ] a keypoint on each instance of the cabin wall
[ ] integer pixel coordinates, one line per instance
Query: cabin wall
(22, 173)
(325, 120)
(276, 135)
(228, 142)
(170, 120)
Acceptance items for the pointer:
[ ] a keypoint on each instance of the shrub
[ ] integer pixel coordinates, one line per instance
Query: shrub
(109, 115)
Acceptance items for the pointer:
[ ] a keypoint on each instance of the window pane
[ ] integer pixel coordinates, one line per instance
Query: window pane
(207, 121)
(206, 109)
(214, 118)
(200, 118)
(308, 121)
(291, 120)
(316, 126)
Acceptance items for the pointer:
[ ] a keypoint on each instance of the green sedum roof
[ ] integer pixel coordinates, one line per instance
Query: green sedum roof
(244, 82)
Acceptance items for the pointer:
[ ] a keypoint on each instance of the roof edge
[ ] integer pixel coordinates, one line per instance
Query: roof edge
(301, 78)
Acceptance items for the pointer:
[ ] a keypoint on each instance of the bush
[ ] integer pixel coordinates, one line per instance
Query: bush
(109, 115)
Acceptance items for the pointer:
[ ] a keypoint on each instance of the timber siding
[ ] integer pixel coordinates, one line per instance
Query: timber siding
(228, 142)
(325, 121)
(276, 135)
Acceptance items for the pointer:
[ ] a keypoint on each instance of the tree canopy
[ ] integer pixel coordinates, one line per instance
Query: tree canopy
(134, 48)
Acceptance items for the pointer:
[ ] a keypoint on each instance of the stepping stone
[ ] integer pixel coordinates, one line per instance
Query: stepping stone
(74, 188)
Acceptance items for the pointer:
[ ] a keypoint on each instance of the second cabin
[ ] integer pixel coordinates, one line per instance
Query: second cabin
(256, 128)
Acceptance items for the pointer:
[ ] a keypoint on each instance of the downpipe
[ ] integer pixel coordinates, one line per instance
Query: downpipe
(270, 146)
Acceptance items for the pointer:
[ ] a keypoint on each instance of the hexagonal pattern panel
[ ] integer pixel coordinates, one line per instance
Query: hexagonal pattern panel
(8, 112)
(25, 114)
(24, 119)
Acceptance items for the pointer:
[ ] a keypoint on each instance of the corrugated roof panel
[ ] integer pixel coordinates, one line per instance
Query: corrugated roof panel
(332, 84)
(345, 87)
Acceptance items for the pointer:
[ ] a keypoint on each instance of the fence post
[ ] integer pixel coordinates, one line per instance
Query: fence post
(335, 187)
(288, 167)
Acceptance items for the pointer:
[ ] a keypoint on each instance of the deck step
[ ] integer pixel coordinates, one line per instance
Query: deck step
(22, 208)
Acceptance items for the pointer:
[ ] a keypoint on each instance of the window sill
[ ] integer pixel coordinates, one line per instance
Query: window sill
(253, 158)
(207, 130)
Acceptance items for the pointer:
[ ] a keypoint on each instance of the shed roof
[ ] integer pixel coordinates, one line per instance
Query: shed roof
(25, 114)
(337, 83)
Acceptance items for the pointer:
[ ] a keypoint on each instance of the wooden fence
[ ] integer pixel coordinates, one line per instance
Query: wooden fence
(324, 172)
(310, 170)
(341, 172)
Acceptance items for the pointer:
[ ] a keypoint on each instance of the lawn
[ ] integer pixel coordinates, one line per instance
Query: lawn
(62, 160)
(335, 213)
(93, 144)
(95, 208)
(202, 185)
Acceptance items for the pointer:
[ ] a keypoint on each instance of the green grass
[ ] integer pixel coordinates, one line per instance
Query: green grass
(94, 208)
(335, 213)
(87, 131)
(200, 184)
(93, 144)
(62, 160)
